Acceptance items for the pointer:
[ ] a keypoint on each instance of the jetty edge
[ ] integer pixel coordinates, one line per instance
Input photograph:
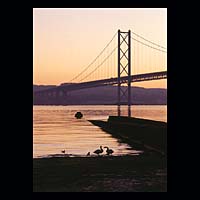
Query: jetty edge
(140, 134)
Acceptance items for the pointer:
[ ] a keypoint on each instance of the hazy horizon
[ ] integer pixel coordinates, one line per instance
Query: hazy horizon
(124, 85)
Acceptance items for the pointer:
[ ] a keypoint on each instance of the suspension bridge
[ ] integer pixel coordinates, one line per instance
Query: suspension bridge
(117, 64)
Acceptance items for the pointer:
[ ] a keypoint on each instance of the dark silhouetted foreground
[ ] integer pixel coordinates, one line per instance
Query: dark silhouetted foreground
(100, 174)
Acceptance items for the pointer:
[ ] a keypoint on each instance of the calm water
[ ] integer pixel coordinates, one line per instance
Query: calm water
(55, 128)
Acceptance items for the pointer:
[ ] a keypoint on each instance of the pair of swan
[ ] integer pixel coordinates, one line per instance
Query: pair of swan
(99, 151)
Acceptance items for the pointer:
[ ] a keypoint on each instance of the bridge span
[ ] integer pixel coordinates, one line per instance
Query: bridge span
(104, 82)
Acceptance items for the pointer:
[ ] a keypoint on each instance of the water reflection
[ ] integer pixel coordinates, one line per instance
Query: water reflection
(55, 128)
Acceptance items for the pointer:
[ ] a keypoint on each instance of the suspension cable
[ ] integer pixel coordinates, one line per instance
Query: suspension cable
(99, 64)
(148, 40)
(93, 60)
(148, 45)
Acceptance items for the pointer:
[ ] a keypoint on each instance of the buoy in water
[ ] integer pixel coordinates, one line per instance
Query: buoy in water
(78, 115)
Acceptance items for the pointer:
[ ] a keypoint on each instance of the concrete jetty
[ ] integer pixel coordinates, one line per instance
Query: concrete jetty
(139, 133)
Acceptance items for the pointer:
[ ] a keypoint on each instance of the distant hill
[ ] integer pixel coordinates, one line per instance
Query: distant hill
(42, 87)
(104, 95)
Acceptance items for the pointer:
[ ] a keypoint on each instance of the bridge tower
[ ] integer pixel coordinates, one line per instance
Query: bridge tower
(124, 67)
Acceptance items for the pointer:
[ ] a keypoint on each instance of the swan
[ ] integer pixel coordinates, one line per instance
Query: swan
(109, 151)
(98, 151)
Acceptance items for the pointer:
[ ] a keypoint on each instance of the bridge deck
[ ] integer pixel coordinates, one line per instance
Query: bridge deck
(104, 82)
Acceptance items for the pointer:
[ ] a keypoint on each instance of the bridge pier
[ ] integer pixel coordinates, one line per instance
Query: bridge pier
(118, 110)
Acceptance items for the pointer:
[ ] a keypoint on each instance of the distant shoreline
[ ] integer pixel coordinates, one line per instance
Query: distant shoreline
(104, 95)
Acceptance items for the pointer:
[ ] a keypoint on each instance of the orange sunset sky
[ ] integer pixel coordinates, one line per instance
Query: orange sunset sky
(66, 40)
